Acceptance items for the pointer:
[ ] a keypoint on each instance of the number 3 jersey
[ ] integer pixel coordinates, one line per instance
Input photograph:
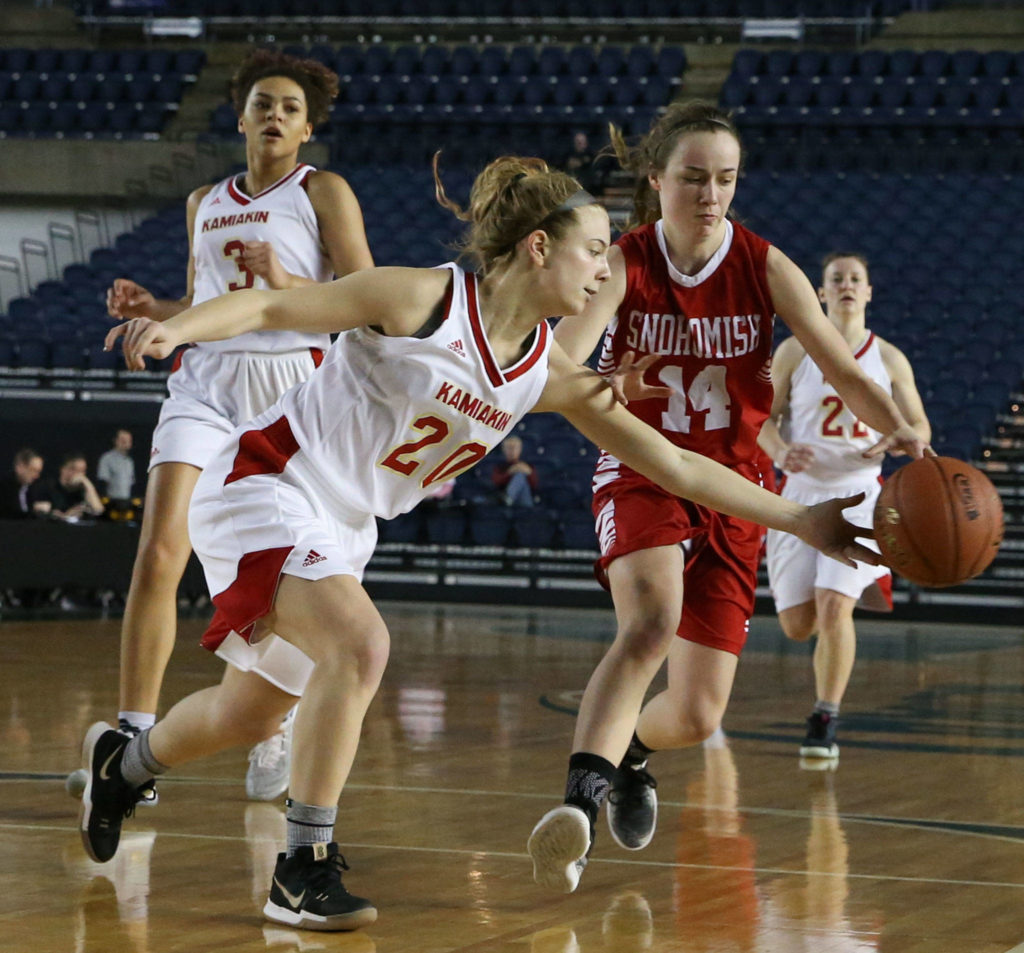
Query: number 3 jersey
(712, 333)
(384, 419)
(819, 418)
(281, 214)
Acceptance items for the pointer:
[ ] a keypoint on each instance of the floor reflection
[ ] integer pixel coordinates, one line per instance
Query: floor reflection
(112, 899)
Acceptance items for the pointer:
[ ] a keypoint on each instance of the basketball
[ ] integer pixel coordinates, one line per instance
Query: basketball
(938, 521)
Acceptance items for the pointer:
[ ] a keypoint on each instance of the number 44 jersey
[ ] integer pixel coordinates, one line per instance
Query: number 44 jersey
(712, 333)
(281, 214)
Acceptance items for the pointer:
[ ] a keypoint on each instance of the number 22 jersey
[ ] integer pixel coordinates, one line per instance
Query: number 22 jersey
(712, 333)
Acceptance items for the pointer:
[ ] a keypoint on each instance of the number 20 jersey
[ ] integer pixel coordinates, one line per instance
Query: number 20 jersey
(281, 214)
(384, 419)
(712, 333)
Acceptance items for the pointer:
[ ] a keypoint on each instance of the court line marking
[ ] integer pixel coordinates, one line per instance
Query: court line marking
(943, 825)
(515, 855)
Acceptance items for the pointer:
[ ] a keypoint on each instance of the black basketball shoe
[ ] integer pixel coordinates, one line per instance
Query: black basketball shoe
(107, 799)
(307, 892)
(821, 736)
(632, 806)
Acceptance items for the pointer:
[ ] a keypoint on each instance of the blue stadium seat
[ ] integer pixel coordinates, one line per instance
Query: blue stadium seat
(933, 63)
(489, 525)
(965, 63)
(902, 63)
(996, 64)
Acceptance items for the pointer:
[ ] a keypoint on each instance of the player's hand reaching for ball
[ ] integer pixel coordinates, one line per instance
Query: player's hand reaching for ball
(826, 529)
(904, 441)
(142, 338)
(127, 299)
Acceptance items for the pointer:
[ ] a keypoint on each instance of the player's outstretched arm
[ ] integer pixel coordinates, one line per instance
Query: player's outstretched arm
(397, 299)
(588, 403)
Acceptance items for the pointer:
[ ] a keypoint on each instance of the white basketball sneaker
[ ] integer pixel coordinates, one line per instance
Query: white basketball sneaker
(269, 763)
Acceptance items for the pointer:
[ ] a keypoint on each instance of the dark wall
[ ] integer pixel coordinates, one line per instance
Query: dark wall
(56, 427)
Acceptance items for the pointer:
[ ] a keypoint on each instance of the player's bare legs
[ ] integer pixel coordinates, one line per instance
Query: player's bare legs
(799, 622)
(691, 708)
(647, 588)
(241, 710)
(151, 609)
(334, 622)
(837, 644)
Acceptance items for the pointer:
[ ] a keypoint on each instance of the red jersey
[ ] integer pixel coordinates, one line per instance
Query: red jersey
(713, 332)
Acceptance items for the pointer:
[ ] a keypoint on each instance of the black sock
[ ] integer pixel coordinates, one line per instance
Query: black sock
(637, 753)
(590, 777)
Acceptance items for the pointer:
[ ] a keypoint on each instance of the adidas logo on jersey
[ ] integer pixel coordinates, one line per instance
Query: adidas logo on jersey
(312, 557)
(457, 347)
(216, 201)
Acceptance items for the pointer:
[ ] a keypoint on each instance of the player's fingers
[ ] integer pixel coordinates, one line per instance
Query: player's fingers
(648, 391)
(857, 553)
(645, 362)
(113, 334)
(929, 452)
(848, 501)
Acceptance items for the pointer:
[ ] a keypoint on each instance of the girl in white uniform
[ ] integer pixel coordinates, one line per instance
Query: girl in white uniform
(280, 224)
(437, 367)
(823, 456)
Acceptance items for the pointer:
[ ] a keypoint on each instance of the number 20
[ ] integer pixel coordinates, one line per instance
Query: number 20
(403, 458)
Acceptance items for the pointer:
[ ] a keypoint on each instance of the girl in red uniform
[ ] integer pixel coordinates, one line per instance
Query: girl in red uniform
(692, 294)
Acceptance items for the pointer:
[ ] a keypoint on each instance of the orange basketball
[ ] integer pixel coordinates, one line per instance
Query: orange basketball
(938, 521)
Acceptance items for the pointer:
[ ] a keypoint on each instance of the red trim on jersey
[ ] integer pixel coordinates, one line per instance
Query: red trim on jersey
(242, 199)
(304, 181)
(490, 365)
(317, 354)
(864, 348)
(539, 342)
(263, 451)
(178, 355)
(249, 598)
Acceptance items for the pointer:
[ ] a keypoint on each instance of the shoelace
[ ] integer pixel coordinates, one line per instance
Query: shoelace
(639, 779)
(326, 874)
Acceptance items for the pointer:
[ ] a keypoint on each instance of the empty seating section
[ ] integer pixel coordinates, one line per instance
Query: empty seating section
(404, 102)
(89, 93)
(63, 322)
(945, 109)
(657, 10)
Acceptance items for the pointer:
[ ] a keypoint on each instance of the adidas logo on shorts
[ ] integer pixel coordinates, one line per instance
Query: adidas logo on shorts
(457, 347)
(312, 557)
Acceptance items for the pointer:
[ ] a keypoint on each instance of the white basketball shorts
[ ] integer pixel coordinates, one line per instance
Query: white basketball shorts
(212, 392)
(247, 534)
(795, 569)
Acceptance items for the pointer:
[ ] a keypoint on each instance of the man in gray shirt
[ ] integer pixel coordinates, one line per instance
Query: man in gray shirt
(116, 470)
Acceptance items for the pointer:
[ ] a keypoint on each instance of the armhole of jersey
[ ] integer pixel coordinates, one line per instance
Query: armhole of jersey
(437, 317)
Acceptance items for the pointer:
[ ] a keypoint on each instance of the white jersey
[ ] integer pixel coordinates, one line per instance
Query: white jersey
(819, 418)
(384, 420)
(281, 214)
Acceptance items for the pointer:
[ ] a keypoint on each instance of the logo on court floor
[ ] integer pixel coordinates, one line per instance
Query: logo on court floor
(312, 557)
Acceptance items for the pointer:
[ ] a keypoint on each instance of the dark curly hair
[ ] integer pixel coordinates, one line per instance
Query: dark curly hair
(319, 84)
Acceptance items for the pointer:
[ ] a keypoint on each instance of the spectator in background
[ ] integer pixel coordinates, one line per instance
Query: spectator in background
(116, 470)
(515, 479)
(579, 163)
(20, 495)
(73, 495)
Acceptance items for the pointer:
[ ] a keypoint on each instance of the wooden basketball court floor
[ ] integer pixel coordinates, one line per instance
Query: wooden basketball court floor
(915, 844)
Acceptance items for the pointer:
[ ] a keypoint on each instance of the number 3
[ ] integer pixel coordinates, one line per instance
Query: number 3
(235, 249)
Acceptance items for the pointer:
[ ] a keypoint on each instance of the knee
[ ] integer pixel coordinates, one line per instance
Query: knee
(646, 641)
(833, 608)
(702, 717)
(362, 657)
(799, 623)
(159, 558)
